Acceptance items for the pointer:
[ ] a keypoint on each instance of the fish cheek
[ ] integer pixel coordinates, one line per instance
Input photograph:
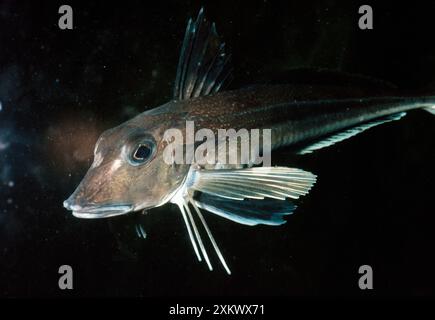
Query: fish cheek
(151, 184)
(118, 188)
(114, 189)
(137, 184)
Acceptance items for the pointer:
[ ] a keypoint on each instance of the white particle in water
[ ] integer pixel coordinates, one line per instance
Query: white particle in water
(3, 145)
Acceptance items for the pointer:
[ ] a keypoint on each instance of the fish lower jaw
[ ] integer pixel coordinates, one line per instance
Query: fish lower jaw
(90, 215)
(102, 212)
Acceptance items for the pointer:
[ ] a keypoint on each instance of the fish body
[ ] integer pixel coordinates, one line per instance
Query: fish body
(296, 114)
(130, 171)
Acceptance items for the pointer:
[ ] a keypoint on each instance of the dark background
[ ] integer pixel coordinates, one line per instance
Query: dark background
(373, 203)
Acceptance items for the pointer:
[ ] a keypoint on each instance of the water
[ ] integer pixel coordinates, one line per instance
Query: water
(60, 89)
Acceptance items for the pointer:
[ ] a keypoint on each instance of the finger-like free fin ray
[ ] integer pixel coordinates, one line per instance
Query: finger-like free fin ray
(210, 236)
(197, 235)
(189, 230)
(140, 231)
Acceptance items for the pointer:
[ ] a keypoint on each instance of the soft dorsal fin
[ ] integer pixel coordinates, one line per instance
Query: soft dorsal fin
(203, 67)
(348, 133)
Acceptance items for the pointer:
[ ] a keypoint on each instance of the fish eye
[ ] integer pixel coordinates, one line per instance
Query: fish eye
(142, 152)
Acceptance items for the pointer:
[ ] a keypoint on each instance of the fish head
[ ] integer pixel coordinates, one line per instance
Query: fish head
(128, 172)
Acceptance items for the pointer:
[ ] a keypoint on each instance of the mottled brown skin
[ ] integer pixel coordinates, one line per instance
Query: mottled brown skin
(141, 186)
(294, 113)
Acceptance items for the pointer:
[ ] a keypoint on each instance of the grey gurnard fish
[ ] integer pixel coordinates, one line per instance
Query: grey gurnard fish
(129, 174)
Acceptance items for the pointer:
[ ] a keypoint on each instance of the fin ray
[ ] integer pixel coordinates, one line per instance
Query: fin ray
(248, 212)
(210, 236)
(254, 183)
(203, 66)
(189, 230)
(430, 110)
(197, 235)
(348, 133)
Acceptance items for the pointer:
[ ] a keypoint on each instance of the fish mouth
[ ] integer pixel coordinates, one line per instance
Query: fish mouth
(98, 211)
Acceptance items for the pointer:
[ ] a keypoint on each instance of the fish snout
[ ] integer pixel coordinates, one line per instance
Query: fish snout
(76, 200)
(97, 196)
(70, 204)
(67, 204)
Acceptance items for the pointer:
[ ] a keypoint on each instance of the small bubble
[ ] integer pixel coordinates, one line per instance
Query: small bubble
(11, 184)
(9, 201)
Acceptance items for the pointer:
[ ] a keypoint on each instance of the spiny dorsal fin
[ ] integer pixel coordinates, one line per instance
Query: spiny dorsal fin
(204, 66)
(348, 133)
